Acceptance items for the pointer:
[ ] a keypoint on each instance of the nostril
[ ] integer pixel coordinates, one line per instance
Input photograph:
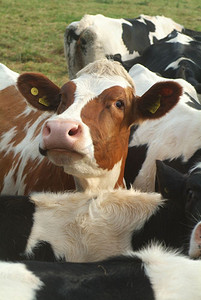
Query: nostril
(46, 130)
(74, 130)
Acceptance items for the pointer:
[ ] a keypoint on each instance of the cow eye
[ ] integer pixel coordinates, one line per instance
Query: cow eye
(119, 104)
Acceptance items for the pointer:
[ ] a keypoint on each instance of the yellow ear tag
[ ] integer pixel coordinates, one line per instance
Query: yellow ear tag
(34, 91)
(155, 106)
(43, 101)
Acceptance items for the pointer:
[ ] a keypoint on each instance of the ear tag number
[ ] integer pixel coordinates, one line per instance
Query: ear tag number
(43, 101)
(155, 106)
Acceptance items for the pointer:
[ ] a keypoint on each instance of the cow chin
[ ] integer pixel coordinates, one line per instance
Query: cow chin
(60, 157)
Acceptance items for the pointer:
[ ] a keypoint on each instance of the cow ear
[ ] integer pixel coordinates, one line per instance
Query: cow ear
(158, 100)
(39, 91)
(169, 181)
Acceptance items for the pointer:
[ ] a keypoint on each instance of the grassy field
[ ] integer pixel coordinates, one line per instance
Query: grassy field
(31, 33)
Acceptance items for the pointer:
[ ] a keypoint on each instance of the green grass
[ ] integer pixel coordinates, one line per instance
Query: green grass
(31, 32)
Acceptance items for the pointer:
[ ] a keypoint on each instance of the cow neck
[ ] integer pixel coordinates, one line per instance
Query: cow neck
(110, 179)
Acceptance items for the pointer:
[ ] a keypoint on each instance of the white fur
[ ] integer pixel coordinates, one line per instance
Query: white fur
(173, 276)
(17, 283)
(7, 77)
(90, 226)
(27, 150)
(163, 26)
(181, 38)
(174, 64)
(176, 134)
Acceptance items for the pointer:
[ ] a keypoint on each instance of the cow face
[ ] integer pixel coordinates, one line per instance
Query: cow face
(186, 190)
(88, 134)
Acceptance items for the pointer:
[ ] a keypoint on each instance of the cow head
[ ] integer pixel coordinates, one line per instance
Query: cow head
(184, 190)
(89, 130)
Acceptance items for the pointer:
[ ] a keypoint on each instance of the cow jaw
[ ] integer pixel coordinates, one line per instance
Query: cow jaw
(101, 180)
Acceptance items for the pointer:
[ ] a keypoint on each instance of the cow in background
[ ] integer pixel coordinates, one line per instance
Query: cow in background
(96, 36)
(100, 102)
(174, 139)
(175, 56)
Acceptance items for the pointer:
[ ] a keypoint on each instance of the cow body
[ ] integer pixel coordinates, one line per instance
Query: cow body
(175, 56)
(174, 139)
(152, 273)
(23, 169)
(96, 36)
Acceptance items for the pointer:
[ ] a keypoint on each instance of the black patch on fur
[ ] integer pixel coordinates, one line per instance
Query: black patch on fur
(136, 37)
(16, 221)
(42, 252)
(117, 278)
(135, 158)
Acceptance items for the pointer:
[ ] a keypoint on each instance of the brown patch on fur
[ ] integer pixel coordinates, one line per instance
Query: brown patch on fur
(109, 126)
(46, 177)
(67, 96)
(6, 163)
(12, 106)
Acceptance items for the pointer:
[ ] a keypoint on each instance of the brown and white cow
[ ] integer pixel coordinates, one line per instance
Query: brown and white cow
(88, 131)
(23, 169)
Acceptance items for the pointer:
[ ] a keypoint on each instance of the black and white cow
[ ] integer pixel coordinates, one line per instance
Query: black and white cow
(87, 226)
(96, 36)
(180, 213)
(77, 227)
(175, 139)
(175, 56)
(152, 273)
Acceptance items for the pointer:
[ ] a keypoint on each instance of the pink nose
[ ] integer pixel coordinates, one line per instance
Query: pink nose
(61, 134)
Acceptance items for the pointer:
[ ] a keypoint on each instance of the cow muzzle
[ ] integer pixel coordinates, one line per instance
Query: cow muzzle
(63, 136)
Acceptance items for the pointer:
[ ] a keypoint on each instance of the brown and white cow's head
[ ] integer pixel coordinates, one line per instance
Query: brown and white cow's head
(89, 131)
